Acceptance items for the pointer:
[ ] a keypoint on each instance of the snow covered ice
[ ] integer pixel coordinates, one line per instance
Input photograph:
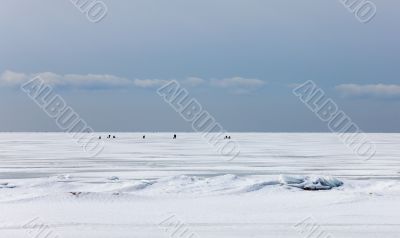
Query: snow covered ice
(134, 184)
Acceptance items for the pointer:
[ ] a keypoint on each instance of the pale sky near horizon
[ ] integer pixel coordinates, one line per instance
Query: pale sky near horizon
(239, 59)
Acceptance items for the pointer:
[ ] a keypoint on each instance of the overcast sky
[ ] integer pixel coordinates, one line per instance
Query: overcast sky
(239, 59)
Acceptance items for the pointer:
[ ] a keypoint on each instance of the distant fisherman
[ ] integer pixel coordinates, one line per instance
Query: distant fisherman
(144, 137)
(174, 136)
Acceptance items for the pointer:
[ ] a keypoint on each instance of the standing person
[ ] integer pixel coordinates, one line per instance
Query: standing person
(144, 137)
(174, 136)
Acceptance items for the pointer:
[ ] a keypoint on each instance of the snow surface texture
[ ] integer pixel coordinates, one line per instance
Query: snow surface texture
(128, 190)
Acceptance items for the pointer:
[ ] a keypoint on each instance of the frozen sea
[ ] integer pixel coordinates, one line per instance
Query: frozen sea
(159, 187)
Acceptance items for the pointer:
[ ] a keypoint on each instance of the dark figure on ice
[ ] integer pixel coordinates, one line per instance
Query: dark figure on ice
(109, 136)
(144, 137)
(174, 136)
(99, 137)
(114, 137)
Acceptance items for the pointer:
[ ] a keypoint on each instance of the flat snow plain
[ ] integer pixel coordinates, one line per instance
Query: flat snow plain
(143, 188)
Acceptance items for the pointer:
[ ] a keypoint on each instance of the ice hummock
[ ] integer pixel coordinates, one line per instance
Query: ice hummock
(6, 185)
(310, 183)
(181, 185)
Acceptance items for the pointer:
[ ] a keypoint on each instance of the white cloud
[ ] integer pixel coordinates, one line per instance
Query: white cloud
(193, 81)
(149, 83)
(238, 82)
(10, 78)
(293, 85)
(85, 81)
(369, 90)
(238, 85)
(105, 81)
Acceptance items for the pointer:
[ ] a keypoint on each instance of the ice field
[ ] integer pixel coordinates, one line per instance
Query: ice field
(159, 187)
